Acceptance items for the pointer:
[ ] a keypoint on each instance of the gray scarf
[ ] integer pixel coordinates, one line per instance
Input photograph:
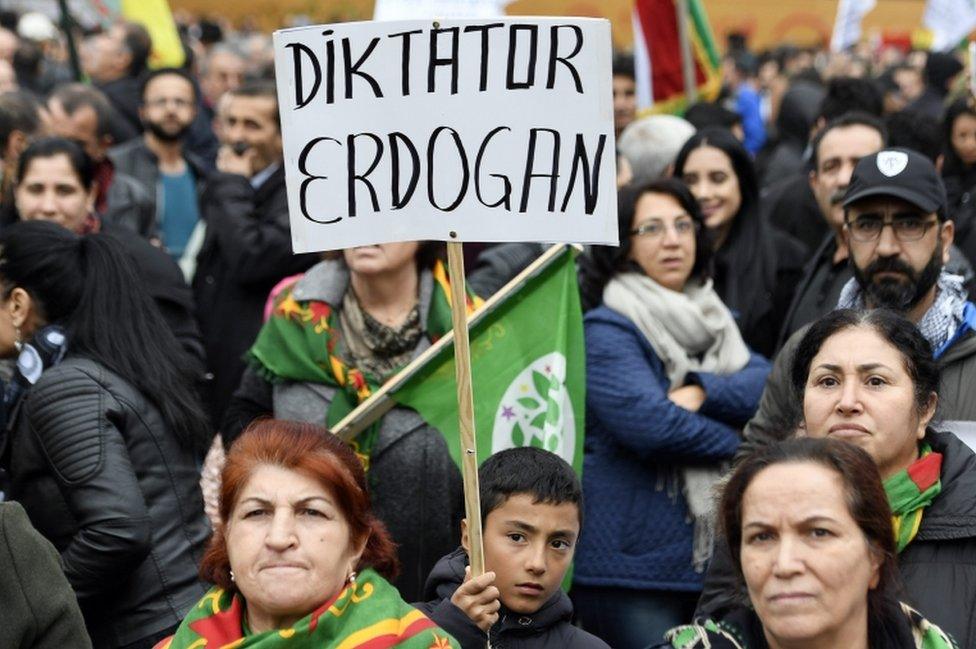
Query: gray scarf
(690, 331)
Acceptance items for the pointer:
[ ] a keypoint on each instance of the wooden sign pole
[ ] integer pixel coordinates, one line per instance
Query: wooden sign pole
(469, 449)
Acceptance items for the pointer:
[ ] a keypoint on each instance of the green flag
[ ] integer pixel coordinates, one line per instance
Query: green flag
(527, 368)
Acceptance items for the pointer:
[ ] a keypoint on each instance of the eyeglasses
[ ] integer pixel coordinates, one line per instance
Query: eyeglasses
(907, 226)
(655, 228)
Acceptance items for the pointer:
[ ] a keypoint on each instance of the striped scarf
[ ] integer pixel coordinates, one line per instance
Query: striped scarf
(298, 343)
(368, 613)
(910, 491)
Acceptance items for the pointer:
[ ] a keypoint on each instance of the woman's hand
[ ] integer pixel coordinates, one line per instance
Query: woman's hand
(689, 397)
(479, 599)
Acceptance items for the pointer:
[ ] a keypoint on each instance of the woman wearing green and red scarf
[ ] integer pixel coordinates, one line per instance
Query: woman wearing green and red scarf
(298, 560)
(333, 336)
(868, 377)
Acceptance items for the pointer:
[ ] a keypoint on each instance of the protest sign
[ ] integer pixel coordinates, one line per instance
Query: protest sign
(440, 9)
(458, 130)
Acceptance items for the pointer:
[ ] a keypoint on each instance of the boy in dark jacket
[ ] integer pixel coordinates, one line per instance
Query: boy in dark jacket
(531, 512)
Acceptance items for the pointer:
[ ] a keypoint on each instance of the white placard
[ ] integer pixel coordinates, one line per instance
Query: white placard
(408, 9)
(457, 130)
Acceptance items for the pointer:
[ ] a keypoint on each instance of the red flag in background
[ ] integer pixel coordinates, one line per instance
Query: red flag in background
(657, 55)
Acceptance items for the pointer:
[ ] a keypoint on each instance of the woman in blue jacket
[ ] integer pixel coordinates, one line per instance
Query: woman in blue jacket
(669, 383)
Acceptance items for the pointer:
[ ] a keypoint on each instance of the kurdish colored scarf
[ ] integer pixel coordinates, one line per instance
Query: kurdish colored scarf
(299, 343)
(910, 491)
(368, 613)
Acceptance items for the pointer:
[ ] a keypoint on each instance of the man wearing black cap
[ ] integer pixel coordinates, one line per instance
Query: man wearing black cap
(899, 238)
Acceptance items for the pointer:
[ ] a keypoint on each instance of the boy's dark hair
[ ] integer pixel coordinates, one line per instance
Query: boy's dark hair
(532, 471)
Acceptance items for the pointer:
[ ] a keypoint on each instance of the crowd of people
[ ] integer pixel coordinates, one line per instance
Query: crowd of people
(778, 354)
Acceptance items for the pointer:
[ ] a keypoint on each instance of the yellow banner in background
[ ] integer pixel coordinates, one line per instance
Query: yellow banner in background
(156, 17)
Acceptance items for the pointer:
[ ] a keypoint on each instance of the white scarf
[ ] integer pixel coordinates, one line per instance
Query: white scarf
(690, 331)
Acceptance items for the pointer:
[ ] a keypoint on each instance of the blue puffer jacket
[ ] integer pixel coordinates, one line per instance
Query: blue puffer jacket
(635, 535)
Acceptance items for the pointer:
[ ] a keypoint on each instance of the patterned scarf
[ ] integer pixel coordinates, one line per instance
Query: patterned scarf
(742, 629)
(367, 614)
(910, 491)
(298, 343)
(940, 322)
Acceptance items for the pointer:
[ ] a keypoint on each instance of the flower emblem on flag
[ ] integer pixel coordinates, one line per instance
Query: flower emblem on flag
(536, 410)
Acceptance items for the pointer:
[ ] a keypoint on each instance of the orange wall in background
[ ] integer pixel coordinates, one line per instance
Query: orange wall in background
(768, 22)
(804, 22)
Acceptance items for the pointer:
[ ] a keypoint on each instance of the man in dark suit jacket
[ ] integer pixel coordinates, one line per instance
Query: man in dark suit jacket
(246, 249)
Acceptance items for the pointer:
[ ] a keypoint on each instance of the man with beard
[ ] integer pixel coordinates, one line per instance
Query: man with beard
(171, 174)
(835, 151)
(898, 236)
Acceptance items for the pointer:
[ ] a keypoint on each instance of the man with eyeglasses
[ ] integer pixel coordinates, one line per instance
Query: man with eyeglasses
(172, 175)
(899, 238)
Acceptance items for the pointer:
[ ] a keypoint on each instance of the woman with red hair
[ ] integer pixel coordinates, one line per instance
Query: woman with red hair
(299, 559)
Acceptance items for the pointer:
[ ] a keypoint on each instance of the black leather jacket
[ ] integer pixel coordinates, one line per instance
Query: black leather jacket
(101, 477)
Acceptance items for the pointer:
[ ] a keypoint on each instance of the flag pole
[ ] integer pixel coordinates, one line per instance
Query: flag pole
(67, 24)
(687, 61)
(469, 449)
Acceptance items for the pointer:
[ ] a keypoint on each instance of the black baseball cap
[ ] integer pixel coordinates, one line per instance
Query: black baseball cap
(901, 173)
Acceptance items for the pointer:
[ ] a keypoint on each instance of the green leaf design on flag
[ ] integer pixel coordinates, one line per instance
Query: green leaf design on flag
(541, 384)
(517, 435)
(512, 347)
(552, 412)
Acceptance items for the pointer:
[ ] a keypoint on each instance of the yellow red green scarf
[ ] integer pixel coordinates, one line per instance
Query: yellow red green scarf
(367, 614)
(298, 343)
(910, 491)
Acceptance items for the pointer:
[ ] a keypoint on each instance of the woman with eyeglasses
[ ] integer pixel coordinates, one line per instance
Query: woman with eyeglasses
(669, 383)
